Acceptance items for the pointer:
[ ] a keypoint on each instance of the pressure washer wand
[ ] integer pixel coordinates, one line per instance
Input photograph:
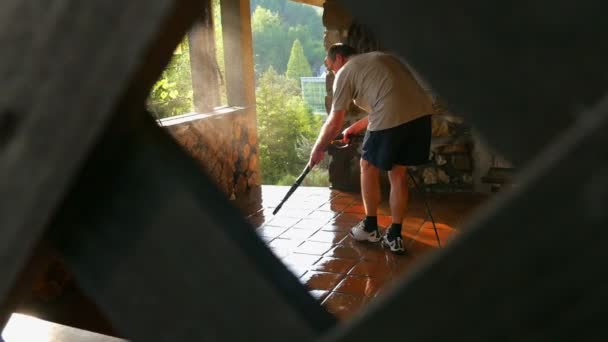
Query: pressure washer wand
(293, 188)
(338, 144)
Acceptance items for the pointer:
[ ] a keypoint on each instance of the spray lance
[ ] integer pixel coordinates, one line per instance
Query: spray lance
(337, 144)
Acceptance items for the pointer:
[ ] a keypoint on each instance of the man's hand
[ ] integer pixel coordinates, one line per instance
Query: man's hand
(347, 134)
(316, 155)
(354, 129)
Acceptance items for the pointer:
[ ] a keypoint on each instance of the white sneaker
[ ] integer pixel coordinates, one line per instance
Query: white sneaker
(395, 244)
(358, 233)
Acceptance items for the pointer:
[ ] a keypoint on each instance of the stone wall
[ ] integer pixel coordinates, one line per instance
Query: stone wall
(451, 163)
(225, 145)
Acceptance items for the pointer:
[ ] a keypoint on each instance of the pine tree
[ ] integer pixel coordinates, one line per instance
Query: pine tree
(298, 65)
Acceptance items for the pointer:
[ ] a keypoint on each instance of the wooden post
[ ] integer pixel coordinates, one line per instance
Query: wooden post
(238, 52)
(203, 61)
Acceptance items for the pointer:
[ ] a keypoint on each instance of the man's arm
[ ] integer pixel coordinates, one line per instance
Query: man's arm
(355, 129)
(329, 131)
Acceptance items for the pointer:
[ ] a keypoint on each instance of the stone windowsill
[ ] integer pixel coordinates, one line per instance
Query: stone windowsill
(188, 117)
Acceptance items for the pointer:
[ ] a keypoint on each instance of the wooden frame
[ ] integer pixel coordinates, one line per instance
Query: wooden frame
(75, 139)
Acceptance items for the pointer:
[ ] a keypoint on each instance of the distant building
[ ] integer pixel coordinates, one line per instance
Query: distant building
(313, 93)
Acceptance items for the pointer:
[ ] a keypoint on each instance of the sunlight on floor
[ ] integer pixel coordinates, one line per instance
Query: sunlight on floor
(23, 328)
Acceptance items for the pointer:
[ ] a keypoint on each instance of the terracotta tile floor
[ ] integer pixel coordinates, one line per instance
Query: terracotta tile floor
(310, 235)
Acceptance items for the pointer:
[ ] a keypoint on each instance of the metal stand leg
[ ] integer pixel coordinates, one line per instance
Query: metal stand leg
(428, 208)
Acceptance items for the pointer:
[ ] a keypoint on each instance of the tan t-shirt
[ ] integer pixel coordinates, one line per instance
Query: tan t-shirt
(384, 87)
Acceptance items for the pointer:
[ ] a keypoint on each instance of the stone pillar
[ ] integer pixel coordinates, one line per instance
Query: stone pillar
(203, 62)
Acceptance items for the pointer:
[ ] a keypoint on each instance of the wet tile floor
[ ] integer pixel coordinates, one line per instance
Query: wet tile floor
(310, 235)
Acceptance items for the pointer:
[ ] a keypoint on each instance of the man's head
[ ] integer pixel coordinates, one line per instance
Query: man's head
(337, 55)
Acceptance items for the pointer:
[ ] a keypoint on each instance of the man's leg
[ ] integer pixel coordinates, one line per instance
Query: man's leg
(399, 197)
(370, 187)
(398, 201)
(367, 230)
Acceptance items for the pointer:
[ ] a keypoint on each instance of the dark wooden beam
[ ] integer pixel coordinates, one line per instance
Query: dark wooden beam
(167, 257)
(531, 267)
(518, 72)
(68, 67)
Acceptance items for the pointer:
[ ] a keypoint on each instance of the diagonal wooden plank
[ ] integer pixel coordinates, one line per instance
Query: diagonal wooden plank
(167, 257)
(68, 65)
(531, 268)
(513, 69)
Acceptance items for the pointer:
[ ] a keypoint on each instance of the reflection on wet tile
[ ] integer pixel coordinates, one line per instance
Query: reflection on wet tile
(335, 207)
(270, 232)
(345, 252)
(375, 253)
(357, 201)
(284, 222)
(294, 203)
(313, 247)
(334, 265)
(299, 234)
(288, 244)
(325, 236)
(384, 221)
(322, 215)
(266, 238)
(345, 199)
(360, 286)
(319, 294)
(384, 210)
(304, 260)
(294, 212)
(355, 208)
(343, 305)
(280, 252)
(311, 223)
(348, 218)
(315, 280)
(361, 247)
(427, 235)
(376, 269)
(297, 269)
(337, 227)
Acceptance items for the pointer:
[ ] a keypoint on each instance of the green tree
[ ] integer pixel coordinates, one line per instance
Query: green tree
(293, 14)
(284, 121)
(298, 65)
(172, 93)
(305, 24)
(276, 6)
(270, 41)
(312, 44)
(276, 24)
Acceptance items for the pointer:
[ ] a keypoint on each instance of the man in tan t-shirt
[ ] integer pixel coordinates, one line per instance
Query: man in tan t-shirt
(398, 133)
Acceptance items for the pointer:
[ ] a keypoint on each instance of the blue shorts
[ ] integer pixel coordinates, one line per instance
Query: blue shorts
(408, 144)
